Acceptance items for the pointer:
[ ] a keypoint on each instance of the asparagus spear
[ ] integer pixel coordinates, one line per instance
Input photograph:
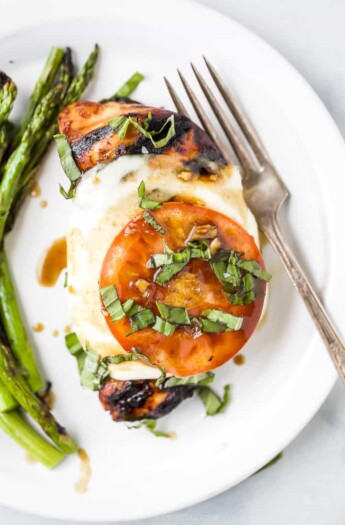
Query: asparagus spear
(5, 133)
(8, 93)
(9, 309)
(18, 387)
(14, 328)
(42, 87)
(20, 157)
(126, 89)
(18, 429)
(64, 75)
(7, 401)
(74, 92)
(83, 78)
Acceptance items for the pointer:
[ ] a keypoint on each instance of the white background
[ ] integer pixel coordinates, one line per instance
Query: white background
(307, 485)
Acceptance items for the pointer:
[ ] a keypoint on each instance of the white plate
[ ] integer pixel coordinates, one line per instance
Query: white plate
(287, 374)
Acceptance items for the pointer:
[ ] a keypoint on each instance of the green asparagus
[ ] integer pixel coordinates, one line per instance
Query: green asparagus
(42, 87)
(14, 328)
(5, 135)
(83, 78)
(18, 387)
(52, 92)
(7, 401)
(17, 428)
(8, 93)
(20, 157)
(64, 75)
(127, 88)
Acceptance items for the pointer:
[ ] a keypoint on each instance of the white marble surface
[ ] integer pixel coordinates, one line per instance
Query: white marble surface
(307, 485)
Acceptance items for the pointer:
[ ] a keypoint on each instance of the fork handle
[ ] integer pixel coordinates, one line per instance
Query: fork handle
(335, 347)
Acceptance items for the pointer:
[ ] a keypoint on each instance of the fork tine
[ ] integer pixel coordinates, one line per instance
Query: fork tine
(205, 121)
(229, 131)
(176, 99)
(245, 125)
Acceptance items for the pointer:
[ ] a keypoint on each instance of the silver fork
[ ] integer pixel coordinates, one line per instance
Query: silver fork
(264, 192)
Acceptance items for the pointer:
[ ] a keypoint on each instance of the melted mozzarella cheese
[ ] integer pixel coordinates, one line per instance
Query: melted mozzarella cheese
(105, 201)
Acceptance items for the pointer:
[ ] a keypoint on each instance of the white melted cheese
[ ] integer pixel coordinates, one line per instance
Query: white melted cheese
(105, 201)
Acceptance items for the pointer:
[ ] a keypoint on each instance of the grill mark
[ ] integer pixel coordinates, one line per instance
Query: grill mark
(141, 399)
(84, 145)
(4, 79)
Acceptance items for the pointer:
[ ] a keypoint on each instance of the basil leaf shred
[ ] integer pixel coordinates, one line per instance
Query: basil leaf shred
(143, 318)
(152, 222)
(212, 402)
(151, 425)
(112, 302)
(173, 314)
(199, 379)
(68, 165)
(164, 327)
(229, 321)
(121, 124)
(145, 202)
(119, 358)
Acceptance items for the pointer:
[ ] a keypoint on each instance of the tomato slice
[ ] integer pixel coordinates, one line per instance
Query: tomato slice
(196, 288)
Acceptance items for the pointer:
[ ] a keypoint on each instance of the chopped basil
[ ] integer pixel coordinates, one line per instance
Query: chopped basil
(172, 314)
(169, 257)
(151, 424)
(230, 321)
(75, 348)
(122, 123)
(73, 344)
(130, 307)
(65, 283)
(164, 327)
(169, 124)
(224, 266)
(174, 262)
(195, 250)
(152, 222)
(68, 165)
(138, 354)
(164, 275)
(94, 371)
(143, 318)
(211, 327)
(120, 358)
(199, 249)
(144, 202)
(112, 303)
(255, 269)
(212, 402)
(199, 379)
(237, 275)
(246, 293)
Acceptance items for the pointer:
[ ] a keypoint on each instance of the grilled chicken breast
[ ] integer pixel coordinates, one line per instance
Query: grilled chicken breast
(93, 141)
(110, 243)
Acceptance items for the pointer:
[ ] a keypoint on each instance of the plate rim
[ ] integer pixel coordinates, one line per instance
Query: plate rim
(326, 116)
